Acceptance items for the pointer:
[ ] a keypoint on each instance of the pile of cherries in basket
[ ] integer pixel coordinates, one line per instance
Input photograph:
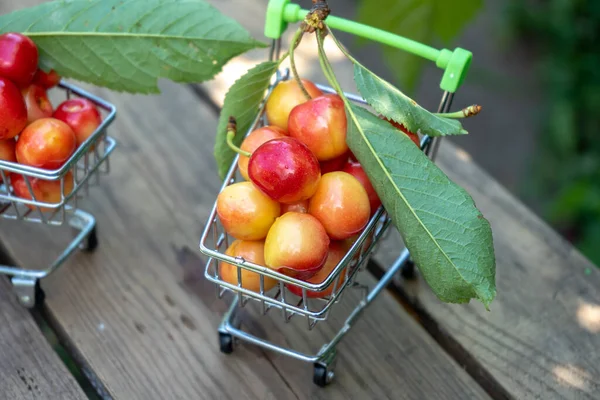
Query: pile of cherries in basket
(32, 131)
(305, 198)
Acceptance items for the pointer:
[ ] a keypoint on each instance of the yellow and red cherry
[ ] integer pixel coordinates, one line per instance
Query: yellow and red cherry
(285, 170)
(296, 245)
(284, 97)
(245, 212)
(337, 251)
(341, 204)
(18, 58)
(321, 124)
(253, 141)
(251, 251)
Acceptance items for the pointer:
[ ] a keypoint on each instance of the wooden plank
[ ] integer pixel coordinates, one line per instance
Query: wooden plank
(542, 336)
(141, 319)
(29, 368)
(140, 316)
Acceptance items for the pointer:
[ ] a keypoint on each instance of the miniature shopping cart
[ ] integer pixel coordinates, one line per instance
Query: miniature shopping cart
(84, 168)
(215, 240)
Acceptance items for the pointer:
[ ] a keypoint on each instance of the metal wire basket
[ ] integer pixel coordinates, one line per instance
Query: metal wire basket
(81, 171)
(214, 240)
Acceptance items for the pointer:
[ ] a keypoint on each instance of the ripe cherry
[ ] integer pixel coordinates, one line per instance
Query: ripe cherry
(321, 124)
(37, 102)
(285, 170)
(341, 204)
(253, 141)
(44, 190)
(18, 58)
(81, 115)
(251, 251)
(284, 97)
(13, 113)
(337, 251)
(46, 143)
(296, 245)
(355, 169)
(46, 80)
(245, 212)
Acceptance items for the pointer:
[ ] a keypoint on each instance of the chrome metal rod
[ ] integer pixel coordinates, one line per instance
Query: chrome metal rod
(85, 222)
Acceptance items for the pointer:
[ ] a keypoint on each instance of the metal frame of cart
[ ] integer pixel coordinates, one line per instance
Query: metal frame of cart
(85, 166)
(215, 240)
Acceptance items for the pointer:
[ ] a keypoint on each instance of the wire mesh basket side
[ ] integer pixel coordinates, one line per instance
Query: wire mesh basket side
(310, 300)
(23, 188)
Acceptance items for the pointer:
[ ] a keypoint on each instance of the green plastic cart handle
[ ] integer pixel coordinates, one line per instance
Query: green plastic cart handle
(454, 63)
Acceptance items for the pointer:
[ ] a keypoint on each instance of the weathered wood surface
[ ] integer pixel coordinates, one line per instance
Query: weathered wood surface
(140, 316)
(29, 368)
(542, 336)
(141, 319)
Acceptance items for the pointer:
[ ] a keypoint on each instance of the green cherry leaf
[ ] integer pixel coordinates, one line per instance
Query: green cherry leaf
(242, 101)
(395, 105)
(447, 236)
(127, 45)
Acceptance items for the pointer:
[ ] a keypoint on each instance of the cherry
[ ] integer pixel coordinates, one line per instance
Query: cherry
(245, 212)
(355, 169)
(13, 113)
(251, 251)
(341, 204)
(81, 115)
(46, 143)
(18, 58)
(296, 245)
(285, 170)
(337, 251)
(37, 102)
(44, 190)
(253, 141)
(321, 124)
(46, 80)
(284, 97)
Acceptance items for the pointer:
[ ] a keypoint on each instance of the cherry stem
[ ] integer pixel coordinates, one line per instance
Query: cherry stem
(326, 66)
(295, 42)
(231, 131)
(464, 113)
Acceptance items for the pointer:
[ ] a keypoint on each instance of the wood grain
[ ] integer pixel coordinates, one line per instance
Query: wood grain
(29, 368)
(140, 316)
(541, 339)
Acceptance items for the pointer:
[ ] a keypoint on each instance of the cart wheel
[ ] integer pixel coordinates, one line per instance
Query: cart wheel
(91, 241)
(40, 296)
(226, 343)
(322, 375)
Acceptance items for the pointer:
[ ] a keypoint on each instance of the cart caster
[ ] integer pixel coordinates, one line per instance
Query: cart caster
(28, 291)
(323, 375)
(90, 243)
(226, 343)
